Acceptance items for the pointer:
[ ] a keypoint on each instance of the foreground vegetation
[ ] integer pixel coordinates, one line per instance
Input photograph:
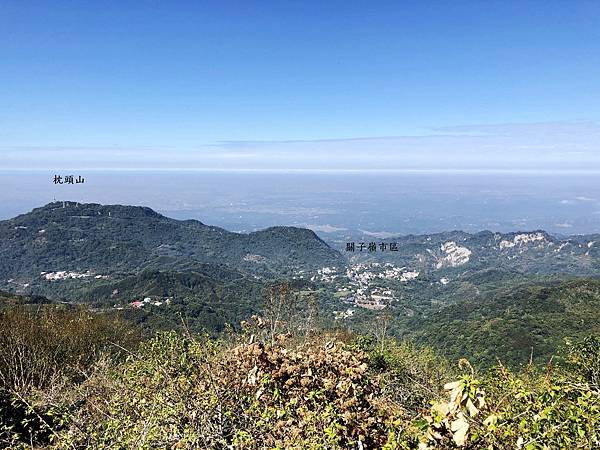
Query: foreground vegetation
(71, 378)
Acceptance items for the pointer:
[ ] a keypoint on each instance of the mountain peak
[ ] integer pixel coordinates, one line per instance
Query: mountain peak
(81, 237)
(70, 208)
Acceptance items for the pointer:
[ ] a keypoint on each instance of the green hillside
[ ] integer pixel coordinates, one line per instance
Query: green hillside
(514, 323)
(67, 236)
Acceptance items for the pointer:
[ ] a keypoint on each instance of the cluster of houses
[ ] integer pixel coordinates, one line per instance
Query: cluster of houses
(65, 275)
(373, 298)
(359, 284)
(340, 315)
(362, 274)
(325, 274)
(148, 302)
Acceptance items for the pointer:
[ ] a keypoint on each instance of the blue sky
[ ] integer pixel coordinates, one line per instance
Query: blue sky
(300, 85)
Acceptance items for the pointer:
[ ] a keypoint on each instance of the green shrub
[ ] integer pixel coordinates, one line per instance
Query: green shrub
(584, 359)
(506, 410)
(44, 354)
(255, 391)
(182, 393)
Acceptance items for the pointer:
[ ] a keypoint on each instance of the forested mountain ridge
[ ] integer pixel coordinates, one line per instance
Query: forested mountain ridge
(108, 239)
(73, 237)
(533, 252)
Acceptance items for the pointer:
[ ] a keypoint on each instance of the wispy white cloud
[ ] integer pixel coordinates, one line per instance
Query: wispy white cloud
(550, 146)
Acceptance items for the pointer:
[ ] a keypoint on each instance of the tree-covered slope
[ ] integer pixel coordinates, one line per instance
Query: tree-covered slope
(67, 236)
(514, 324)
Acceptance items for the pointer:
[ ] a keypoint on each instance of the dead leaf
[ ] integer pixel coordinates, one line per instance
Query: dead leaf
(460, 428)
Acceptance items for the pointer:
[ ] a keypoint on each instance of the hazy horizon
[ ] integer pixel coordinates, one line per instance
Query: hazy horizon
(332, 204)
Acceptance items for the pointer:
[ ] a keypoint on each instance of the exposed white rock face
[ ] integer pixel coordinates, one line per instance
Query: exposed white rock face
(560, 247)
(411, 275)
(521, 240)
(455, 255)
